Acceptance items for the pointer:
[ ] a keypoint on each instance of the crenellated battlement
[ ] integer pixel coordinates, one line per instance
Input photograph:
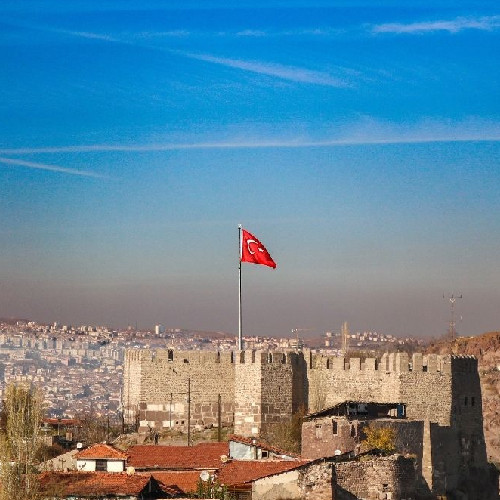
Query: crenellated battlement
(268, 357)
(389, 363)
(178, 357)
(395, 363)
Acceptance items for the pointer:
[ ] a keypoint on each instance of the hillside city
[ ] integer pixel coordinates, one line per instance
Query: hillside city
(81, 368)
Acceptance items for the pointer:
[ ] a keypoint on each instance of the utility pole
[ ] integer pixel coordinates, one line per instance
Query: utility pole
(189, 412)
(452, 332)
(219, 420)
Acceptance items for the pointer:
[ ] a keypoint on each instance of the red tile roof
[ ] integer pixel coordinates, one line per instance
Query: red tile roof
(186, 481)
(98, 484)
(201, 456)
(237, 473)
(61, 421)
(101, 451)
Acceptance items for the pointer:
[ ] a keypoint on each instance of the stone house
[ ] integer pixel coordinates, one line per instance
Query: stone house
(338, 430)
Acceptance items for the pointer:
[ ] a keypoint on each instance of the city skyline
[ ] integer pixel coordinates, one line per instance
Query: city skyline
(359, 144)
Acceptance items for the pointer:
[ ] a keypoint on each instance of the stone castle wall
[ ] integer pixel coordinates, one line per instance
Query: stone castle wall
(158, 382)
(261, 388)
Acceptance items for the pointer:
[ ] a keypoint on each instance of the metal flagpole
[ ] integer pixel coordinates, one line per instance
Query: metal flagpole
(240, 338)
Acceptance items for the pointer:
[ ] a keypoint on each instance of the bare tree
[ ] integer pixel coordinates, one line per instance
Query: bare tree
(20, 442)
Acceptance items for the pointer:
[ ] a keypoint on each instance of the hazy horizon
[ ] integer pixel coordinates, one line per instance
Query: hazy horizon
(360, 145)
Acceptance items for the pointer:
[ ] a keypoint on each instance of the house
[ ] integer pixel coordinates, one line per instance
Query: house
(101, 457)
(339, 429)
(246, 448)
(98, 485)
(184, 481)
(203, 456)
(273, 479)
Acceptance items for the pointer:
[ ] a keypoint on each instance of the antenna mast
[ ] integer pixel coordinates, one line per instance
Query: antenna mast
(452, 332)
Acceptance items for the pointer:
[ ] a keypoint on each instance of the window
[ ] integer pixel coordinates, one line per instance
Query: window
(353, 430)
(465, 401)
(319, 431)
(472, 400)
(335, 427)
(101, 465)
(265, 454)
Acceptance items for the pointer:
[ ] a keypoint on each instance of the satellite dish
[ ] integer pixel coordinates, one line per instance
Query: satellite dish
(204, 476)
(130, 471)
(79, 446)
(337, 452)
(224, 458)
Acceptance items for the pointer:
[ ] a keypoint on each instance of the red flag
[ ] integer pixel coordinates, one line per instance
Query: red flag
(252, 250)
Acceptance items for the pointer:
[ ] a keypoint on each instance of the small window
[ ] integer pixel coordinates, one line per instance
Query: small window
(319, 431)
(265, 454)
(472, 401)
(170, 355)
(465, 401)
(101, 465)
(335, 427)
(353, 430)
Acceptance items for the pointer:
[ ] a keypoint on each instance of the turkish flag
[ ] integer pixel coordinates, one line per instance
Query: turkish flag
(252, 250)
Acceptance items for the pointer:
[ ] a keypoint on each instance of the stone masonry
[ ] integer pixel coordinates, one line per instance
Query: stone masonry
(258, 389)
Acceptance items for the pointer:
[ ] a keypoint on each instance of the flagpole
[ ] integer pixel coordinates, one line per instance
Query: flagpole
(240, 338)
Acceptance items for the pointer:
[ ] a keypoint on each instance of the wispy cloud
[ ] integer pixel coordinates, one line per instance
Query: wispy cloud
(52, 168)
(92, 36)
(290, 73)
(164, 34)
(252, 33)
(248, 144)
(485, 23)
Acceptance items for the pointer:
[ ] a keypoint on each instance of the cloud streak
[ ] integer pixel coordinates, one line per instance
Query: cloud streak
(484, 23)
(51, 168)
(290, 73)
(257, 143)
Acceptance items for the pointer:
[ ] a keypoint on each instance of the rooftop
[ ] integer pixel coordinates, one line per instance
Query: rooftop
(201, 456)
(238, 473)
(101, 451)
(100, 483)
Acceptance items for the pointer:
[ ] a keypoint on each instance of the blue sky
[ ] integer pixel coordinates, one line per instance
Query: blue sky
(360, 143)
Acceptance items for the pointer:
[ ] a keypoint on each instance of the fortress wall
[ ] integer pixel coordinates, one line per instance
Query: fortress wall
(163, 380)
(276, 393)
(422, 382)
(426, 389)
(266, 388)
(333, 380)
(131, 384)
(248, 395)
(467, 406)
